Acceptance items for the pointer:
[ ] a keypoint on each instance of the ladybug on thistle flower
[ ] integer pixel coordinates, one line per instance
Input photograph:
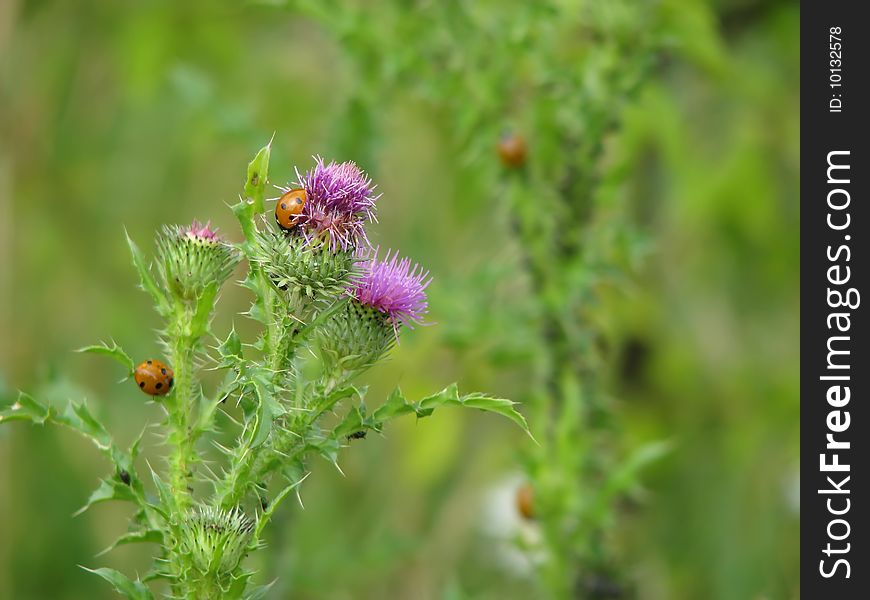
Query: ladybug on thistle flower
(154, 378)
(329, 204)
(290, 206)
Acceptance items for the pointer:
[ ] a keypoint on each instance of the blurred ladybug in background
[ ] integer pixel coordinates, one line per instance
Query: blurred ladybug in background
(512, 150)
(154, 378)
(526, 501)
(289, 208)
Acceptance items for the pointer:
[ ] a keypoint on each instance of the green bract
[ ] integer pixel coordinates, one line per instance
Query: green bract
(210, 546)
(356, 337)
(305, 270)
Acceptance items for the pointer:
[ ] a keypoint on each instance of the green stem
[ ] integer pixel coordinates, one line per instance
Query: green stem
(182, 421)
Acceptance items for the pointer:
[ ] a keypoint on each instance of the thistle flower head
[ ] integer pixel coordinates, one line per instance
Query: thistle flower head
(203, 233)
(394, 287)
(194, 257)
(340, 200)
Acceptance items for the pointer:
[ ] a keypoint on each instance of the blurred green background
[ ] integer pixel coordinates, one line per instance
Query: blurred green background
(129, 115)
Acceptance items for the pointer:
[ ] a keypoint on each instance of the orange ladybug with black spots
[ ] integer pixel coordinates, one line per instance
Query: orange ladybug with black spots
(154, 378)
(289, 208)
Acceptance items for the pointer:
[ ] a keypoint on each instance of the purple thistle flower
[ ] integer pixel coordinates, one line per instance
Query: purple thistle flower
(393, 287)
(197, 230)
(340, 199)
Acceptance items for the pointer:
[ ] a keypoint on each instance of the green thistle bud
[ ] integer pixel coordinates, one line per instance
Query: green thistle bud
(356, 337)
(307, 270)
(386, 295)
(214, 541)
(194, 258)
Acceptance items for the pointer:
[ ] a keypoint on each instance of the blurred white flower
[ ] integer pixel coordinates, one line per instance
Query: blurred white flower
(516, 539)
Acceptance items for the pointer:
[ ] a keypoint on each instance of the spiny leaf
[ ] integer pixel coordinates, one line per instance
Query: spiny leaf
(255, 190)
(76, 417)
(237, 586)
(154, 536)
(327, 402)
(351, 423)
(147, 281)
(257, 177)
(328, 448)
(26, 409)
(79, 417)
(204, 306)
(267, 514)
(114, 352)
(397, 405)
(132, 590)
(260, 592)
(268, 409)
(230, 348)
(501, 406)
(109, 489)
(163, 492)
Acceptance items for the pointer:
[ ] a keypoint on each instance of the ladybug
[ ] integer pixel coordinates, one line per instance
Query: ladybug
(526, 501)
(512, 150)
(289, 208)
(154, 378)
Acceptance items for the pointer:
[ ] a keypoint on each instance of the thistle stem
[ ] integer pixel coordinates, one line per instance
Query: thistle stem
(182, 436)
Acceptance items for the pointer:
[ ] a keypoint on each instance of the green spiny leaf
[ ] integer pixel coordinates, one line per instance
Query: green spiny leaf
(114, 352)
(26, 409)
(254, 193)
(147, 282)
(397, 405)
(267, 514)
(231, 348)
(163, 493)
(109, 489)
(268, 409)
(79, 417)
(204, 306)
(352, 422)
(132, 590)
(257, 177)
(501, 406)
(153, 536)
(260, 592)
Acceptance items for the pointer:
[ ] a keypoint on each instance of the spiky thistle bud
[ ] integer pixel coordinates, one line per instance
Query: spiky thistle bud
(214, 541)
(386, 295)
(306, 271)
(193, 258)
(340, 200)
